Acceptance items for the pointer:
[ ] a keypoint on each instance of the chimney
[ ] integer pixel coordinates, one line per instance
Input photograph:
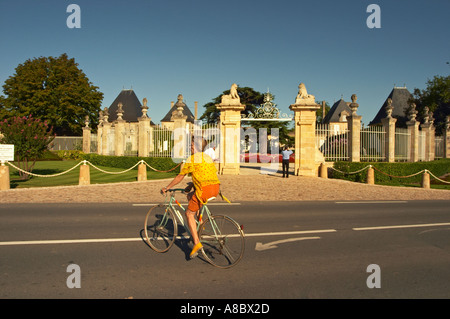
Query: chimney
(196, 109)
(323, 110)
(171, 104)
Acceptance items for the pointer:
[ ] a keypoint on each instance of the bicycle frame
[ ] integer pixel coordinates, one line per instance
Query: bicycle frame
(179, 217)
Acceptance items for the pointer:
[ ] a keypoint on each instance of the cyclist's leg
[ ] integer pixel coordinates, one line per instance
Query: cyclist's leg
(193, 209)
(191, 212)
(192, 224)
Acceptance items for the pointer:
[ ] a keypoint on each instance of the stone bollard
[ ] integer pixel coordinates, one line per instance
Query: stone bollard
(4, 177)
(425, 180)
(370, 176)
(142, 172)
(323, 171)
(85, 177)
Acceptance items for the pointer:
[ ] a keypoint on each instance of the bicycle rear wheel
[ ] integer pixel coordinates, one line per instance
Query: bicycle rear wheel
(160, 228)
(223, 241)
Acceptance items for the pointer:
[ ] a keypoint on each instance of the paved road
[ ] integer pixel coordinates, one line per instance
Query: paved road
(293, 250)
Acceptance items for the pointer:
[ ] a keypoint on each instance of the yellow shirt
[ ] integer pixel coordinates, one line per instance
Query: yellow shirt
(203, 171)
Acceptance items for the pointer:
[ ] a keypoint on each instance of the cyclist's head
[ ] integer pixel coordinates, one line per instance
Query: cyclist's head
(198, 144)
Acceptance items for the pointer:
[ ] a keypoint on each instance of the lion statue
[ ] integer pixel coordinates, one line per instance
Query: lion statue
(303, 95)
(232, 98)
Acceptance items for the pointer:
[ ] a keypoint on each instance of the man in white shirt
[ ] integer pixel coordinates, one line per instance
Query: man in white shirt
(286, 153)
(211, 152)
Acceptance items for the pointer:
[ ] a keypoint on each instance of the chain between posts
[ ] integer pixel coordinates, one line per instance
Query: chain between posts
(371, 166)
(85, 162)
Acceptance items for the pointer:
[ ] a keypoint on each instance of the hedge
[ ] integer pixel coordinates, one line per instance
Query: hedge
(437, 167)
(125, 162)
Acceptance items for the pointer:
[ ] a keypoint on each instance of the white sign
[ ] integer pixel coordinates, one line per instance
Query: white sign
(6, 152)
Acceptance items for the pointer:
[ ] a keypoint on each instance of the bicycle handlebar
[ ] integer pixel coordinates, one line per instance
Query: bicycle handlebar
(176, 190)
(173, 190)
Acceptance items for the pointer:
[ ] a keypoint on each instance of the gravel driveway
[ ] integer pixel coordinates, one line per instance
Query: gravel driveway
(251, 187)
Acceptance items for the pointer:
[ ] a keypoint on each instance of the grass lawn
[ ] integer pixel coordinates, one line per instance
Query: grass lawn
(434, 184)
(71, 178)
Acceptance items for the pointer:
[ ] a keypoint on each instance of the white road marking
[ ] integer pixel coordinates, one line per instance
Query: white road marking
(401, 226)
(273, 244)
(67, 241)
(299, 232)
(113, 240)
(184, 203)
(375, 202)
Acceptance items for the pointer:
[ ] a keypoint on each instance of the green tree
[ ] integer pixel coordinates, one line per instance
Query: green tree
(54, 90)
(437, 98)
(319, 115)
(30, 138)
(249, 97)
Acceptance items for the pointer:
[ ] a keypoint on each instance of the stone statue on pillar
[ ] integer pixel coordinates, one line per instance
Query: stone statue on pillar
(178, 113)
(105, 115)
(144, 108)
(119, 111)
(412, 112)
(354, 106)
(303, 98)
(389, 108)
(232, 98)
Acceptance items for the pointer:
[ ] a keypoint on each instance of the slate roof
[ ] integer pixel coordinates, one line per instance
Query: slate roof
(333, 114)
(186, 111)
(130, 105)
(400, 97)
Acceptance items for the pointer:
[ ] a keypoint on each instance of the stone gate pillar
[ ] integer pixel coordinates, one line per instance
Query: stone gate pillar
(180, 133)
(447, 138)
(119, 132)
(428, 129)
(304, 110)
(389, 129)
(4, 177)
(413, 131)
(354, 134)
(86, 136)
(99, 132)
(230, 132)
(144, 131)
(106, 126)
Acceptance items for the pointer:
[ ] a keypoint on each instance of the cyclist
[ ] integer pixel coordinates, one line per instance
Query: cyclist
(205, 182)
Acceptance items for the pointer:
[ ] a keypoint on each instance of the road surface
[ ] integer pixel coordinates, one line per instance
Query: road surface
(293, 250)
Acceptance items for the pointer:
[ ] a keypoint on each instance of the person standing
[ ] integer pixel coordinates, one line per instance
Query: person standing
(286, 153)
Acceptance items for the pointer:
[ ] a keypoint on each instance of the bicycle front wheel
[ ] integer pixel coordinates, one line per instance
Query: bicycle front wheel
(223, 241)
(160, 228)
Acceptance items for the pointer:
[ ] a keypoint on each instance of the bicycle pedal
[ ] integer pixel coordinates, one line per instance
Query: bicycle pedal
(195, 250)
(193, 255)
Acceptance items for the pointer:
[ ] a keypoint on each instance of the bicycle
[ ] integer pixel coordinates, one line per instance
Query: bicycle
(222, 238)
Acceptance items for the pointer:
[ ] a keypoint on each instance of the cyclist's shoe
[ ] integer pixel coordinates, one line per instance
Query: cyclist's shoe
(195, 250)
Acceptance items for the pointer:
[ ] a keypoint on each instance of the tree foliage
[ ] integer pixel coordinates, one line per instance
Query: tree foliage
(437, 98)
(54, 90)
(319, 115)
(30, 138)
(248, 96)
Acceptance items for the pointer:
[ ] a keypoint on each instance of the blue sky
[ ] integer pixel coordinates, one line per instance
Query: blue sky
(200, 47)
